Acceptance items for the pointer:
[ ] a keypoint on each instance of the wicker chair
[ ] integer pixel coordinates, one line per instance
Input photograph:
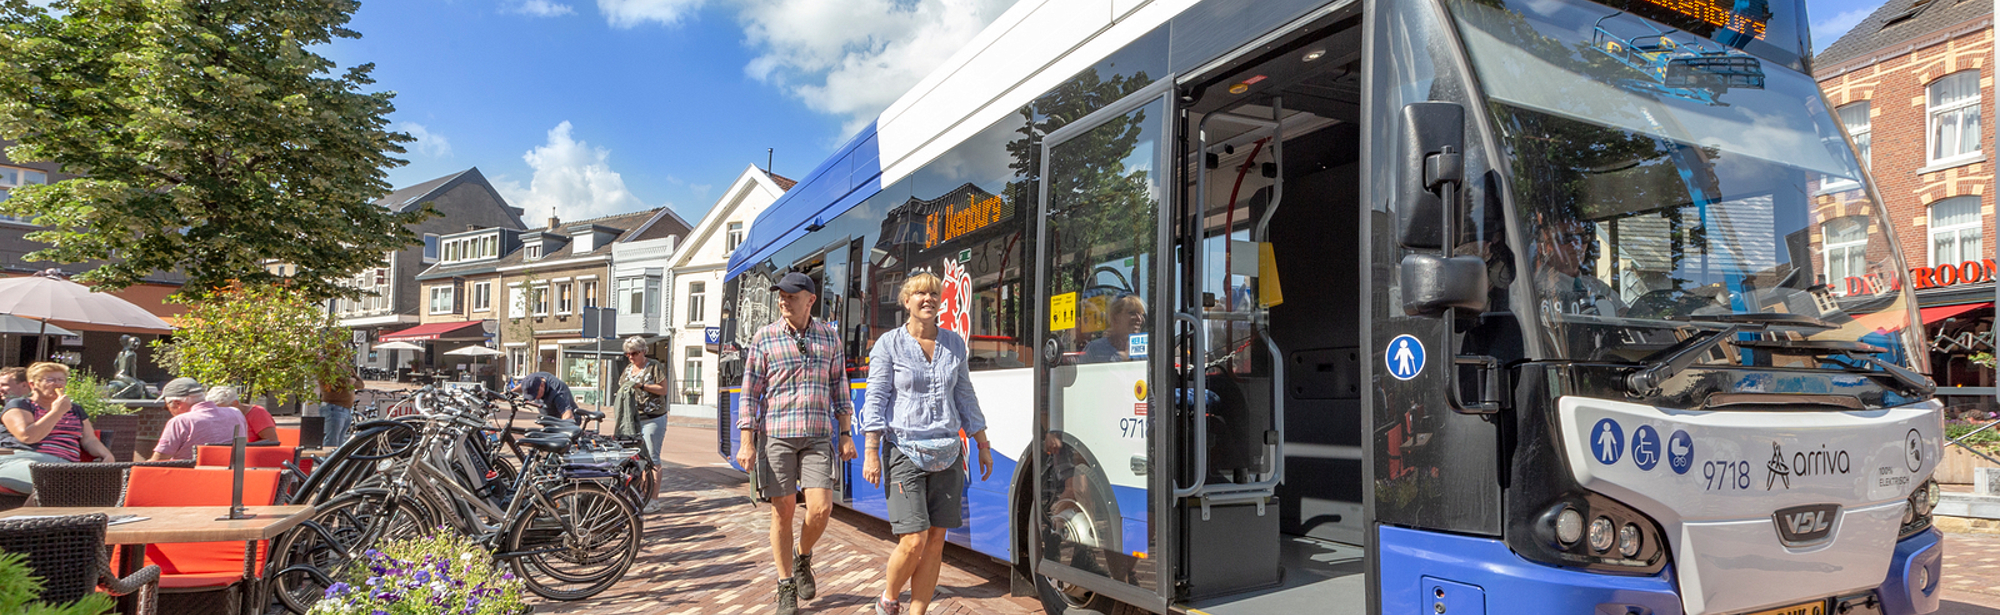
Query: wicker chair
(68, 554)
(88, 484)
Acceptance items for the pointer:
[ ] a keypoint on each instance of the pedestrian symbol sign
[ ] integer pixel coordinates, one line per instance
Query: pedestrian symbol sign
(1405, 357)
(1645, 447)
(1607, 442)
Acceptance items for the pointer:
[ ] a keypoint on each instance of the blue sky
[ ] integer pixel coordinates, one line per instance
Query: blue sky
(586, 108)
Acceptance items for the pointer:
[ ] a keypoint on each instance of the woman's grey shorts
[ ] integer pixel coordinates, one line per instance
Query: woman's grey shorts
(920, 500)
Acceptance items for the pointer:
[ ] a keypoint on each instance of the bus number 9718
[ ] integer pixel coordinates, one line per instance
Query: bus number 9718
(1726, 475)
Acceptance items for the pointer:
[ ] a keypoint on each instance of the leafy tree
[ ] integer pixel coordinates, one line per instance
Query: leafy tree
(210, 139)
(269, 340)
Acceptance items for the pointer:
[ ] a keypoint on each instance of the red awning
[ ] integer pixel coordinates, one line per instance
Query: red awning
(1934, 314)
(437, 330)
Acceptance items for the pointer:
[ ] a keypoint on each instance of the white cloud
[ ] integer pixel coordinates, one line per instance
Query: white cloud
(540, 8)
(629, 13)
(854, 57)
(572, 179)
(428, 143)
(1830, 29)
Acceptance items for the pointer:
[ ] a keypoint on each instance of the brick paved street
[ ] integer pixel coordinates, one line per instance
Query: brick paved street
(709, 554)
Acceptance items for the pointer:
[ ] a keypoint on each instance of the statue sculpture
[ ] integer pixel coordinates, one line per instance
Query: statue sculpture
(125, 384)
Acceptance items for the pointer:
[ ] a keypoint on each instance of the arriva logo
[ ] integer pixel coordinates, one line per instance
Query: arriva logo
(1800, 526)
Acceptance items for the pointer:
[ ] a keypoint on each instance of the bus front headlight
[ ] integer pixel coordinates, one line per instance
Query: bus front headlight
(1918, 507)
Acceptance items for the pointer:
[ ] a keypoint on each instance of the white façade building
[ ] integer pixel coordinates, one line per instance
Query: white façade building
(696, 279)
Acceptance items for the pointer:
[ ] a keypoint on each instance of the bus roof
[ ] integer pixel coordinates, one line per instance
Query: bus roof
(1028, 50)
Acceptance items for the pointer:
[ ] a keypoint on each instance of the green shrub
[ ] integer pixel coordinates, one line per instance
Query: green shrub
(19, 589)
(86, 391)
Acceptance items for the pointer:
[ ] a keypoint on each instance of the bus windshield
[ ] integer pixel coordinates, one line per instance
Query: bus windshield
(1666, 183)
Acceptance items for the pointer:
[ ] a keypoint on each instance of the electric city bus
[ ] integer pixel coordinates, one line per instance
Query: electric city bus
(1374, 306)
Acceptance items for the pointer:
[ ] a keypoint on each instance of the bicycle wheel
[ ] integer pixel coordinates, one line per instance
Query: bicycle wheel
(309, 556)
(580, 559)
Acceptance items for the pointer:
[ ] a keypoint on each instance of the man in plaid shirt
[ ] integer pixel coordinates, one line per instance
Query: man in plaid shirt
(795, 395)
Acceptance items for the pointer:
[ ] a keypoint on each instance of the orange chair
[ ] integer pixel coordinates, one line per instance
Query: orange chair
(288, 437)
(217, 455)
(203, 576)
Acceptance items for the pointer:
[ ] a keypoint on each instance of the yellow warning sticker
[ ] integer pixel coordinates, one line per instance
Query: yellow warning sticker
(1062, 312)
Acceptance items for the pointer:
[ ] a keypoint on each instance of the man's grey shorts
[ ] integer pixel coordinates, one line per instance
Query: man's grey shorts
(920, 500)
(791, 464)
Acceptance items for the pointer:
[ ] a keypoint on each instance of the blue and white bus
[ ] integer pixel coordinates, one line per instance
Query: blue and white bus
(1463, 306)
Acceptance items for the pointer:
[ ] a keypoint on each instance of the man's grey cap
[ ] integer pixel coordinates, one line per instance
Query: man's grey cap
(795, 282)
(181, 387)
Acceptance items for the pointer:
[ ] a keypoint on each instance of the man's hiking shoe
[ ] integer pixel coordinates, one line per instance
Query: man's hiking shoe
(788, 597)
(802, 570)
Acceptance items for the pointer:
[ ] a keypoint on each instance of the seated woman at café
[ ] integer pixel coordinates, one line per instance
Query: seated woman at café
(43, 427)
(263, 428)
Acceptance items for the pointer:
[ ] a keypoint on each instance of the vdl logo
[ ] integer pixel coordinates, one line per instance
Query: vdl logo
(1799, 526)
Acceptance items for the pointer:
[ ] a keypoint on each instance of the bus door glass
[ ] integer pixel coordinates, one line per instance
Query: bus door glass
(1101, 228)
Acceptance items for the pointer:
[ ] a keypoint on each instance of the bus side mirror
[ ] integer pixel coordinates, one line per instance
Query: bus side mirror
(1430, 171)
(1433, 284)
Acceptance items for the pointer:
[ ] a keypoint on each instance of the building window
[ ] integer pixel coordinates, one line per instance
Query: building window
(735, 237)
(538, 298)
(565, 301)
(1855, 118)
(691, 373)
(697, 301)
(1846, 241)
(1955, 231)
(1954, 116)
(590, 294)
(482, 296)
(517, 305)
(441, 299)
(430, 248)
(534, 251)
(517, 361)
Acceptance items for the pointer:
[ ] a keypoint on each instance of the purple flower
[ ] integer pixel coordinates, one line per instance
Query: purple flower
(388, 596)
(337, 589)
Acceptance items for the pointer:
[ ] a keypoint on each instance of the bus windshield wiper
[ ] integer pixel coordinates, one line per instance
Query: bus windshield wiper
(1676, 359)
(1915, 382)
(1759, 320)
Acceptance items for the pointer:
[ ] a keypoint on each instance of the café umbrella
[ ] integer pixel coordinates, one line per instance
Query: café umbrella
(51, 298)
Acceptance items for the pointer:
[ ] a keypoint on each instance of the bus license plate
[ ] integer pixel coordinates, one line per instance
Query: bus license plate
(1809, 608)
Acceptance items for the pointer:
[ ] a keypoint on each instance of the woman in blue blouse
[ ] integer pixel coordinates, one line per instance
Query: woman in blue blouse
(920, 402)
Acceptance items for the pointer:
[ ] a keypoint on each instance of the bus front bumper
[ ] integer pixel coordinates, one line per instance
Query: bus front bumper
(1913, 583)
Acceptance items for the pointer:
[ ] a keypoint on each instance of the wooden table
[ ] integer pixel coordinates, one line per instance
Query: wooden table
(169, 524)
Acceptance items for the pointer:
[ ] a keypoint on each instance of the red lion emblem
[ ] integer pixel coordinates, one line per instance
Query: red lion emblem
(955, 307)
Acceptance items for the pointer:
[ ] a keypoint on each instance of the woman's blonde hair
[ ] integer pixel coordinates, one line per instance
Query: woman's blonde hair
(922, 282)
(36, 371)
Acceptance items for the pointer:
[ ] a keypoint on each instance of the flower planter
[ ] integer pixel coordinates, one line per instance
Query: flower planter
(1958, 465)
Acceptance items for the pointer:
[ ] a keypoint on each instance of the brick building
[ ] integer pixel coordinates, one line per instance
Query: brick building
(1913, 84)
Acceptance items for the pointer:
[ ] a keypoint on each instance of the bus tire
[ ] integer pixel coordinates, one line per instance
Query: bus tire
(1087, 519)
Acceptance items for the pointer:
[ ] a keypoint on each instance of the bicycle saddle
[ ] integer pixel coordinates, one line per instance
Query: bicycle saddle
(547, 442)
(546, 421)
(567, 430)
(588, 415)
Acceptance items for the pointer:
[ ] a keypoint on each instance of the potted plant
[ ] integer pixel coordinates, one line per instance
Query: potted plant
(446, 573)
(119, 421)
(273, 342)
(20, 588)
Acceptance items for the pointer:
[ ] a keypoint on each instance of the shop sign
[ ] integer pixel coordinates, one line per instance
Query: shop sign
(1968, 272)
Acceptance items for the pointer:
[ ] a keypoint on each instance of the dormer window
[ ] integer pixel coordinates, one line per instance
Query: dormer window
(471, 248)
(534, 252)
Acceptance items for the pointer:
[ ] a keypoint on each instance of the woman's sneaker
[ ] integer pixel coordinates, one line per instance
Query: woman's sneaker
(885, 607)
